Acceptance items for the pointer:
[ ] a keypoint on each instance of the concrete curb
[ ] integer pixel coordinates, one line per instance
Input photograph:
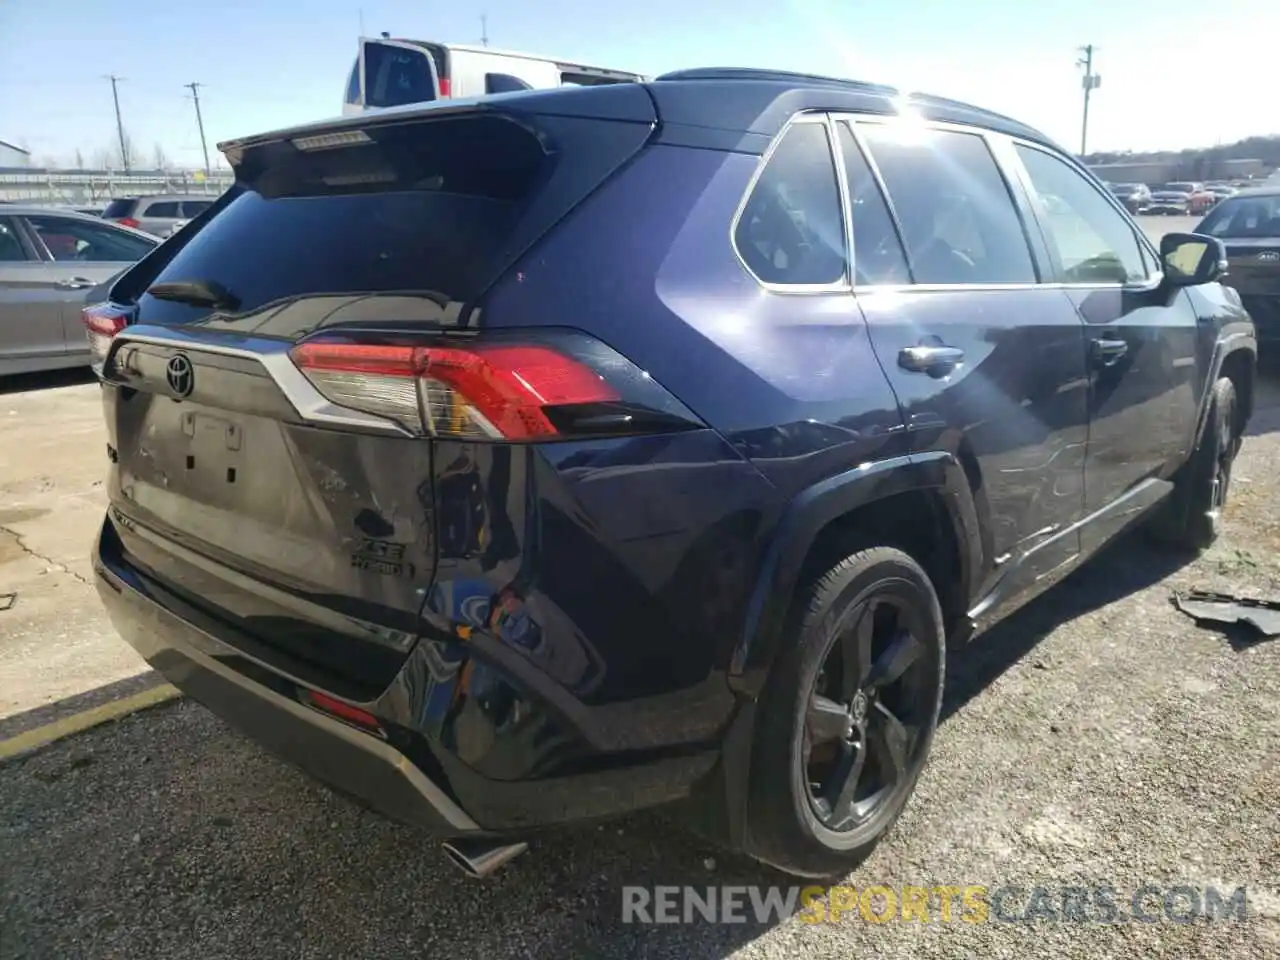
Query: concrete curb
(36, 738)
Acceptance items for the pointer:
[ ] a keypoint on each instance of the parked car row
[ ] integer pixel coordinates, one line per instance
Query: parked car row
(50, 260)
(1180, 198)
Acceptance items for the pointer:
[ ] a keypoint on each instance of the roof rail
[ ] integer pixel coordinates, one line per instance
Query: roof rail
(751, 73)
(936, 100)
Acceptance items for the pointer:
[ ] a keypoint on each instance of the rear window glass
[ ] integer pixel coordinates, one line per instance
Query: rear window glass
(165, 208)
(1244, 217)
(191, 208)
(119, 208)
(395, 76)
(434, 209)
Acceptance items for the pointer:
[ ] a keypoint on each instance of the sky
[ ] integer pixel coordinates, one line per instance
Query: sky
(1180, 73)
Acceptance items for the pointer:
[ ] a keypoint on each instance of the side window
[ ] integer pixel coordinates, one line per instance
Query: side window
(503, 83)
(353, 84)
(193, 208)
(11, 250)
(1095, 244)
(163, 209)
(958, 220)
(878, 257)
(74, 240)
(791, 230)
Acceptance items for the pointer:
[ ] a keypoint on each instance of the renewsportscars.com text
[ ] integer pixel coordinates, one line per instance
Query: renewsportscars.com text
(974, 903)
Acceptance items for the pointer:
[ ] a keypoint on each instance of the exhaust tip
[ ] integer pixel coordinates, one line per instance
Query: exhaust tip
(480, 858)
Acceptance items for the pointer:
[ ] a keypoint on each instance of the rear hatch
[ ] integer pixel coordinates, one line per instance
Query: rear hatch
(270, 433)
(1254, 265)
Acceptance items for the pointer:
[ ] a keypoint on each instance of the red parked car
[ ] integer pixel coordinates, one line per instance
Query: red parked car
(1201, 199)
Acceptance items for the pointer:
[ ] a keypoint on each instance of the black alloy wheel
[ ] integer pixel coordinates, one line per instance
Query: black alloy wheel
(867, 709)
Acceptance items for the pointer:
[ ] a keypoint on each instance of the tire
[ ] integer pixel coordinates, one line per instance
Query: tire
(793, 825)
(1191, 517)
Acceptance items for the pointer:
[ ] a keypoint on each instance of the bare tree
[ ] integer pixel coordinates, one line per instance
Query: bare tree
(159, 157)
(79, 159)
(104, 158)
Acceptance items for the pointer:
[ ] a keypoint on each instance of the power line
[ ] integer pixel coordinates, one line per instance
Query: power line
(194, 87)
(115, 96)
(1090, 82)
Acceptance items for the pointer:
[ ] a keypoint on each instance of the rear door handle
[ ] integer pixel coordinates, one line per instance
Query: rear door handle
(73, 283)
(1107, 351)
(936, 360)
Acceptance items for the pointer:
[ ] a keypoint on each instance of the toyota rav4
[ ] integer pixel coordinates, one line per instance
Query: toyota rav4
(551, 455)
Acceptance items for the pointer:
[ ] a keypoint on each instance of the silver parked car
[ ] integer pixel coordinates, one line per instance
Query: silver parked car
(50, 260)
(157, 215)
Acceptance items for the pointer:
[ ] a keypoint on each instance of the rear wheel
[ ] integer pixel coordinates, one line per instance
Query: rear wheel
(848, 714)
(1191, 517)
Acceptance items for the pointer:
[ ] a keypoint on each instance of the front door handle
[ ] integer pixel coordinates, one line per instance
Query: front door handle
(937, 360)
(73, 283)
(1106, 351)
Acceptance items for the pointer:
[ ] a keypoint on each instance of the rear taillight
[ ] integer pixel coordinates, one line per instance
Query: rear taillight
(563, 386)
(102, 322)
(128, 222)
(445, 86)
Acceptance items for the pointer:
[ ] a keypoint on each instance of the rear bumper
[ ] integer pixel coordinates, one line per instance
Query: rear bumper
(407, 775)
(219, 677)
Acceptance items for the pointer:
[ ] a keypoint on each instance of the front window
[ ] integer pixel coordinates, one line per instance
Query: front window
(1094, 242)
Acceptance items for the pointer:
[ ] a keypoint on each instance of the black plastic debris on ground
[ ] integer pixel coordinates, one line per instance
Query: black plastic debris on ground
(7, 600)
(1262, 615)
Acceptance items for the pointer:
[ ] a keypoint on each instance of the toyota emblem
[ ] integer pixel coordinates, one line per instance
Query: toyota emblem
(1269, 255)
(180, 375)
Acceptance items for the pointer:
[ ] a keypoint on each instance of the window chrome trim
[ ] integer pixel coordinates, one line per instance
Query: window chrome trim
(273, 355)
(842, 285)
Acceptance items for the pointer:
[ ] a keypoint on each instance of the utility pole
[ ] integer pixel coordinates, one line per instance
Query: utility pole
(484, 30)
(1090, 82)
(194, 87)
(115, 95)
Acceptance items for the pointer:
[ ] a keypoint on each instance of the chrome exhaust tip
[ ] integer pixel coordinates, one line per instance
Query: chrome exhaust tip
(479, 858)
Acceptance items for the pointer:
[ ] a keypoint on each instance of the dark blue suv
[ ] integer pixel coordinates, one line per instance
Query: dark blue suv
(556, 454)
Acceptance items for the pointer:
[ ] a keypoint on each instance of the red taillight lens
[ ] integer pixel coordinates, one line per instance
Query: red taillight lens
(128, 222)
(445, 86)
(101, 323)
(480, 391)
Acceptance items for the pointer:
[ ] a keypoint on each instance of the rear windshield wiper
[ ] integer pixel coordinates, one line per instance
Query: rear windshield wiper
(198, 293)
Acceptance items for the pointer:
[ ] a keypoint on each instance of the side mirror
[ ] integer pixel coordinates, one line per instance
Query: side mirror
(1190, 259)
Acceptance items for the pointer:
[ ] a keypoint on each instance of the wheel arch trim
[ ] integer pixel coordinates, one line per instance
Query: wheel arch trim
(809, 513)
(1232, 344)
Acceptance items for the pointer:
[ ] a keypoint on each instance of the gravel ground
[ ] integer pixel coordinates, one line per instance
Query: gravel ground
(1096, 737)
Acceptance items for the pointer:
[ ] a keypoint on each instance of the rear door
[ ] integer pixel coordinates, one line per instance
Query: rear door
(157, 216)
(394, 73)
(30, 303)
(1143, 340)
(308, 518)
(84, 254)
(987, 361)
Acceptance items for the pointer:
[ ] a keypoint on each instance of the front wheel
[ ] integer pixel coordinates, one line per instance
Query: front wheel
(1190, 518)
(848, 714)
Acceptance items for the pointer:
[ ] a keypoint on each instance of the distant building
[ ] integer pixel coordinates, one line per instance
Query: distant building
(1166, 171)
(13, 156)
